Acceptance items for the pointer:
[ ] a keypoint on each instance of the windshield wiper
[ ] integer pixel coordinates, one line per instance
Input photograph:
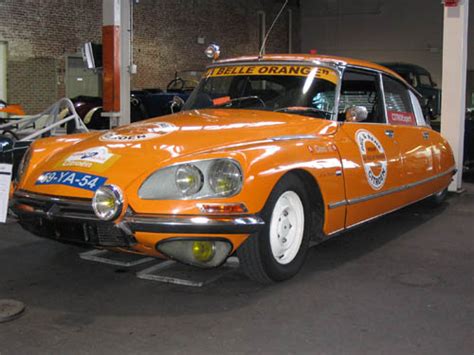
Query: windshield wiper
(303, 109)
(240, 99)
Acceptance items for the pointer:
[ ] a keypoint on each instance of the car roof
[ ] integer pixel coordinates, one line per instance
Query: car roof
(314, 57)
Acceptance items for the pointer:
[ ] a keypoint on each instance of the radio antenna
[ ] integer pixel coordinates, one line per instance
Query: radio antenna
(264, 43)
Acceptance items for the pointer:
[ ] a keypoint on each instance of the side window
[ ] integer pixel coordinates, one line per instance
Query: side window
(361, 88)
(398, 103)
(420, 119)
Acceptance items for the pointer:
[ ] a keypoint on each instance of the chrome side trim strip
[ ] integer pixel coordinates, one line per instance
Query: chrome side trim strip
(355, 225)
(337, 204)
(388, 192)
(293, 137)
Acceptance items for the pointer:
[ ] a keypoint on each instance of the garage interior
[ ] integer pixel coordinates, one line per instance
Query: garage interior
(401, 284)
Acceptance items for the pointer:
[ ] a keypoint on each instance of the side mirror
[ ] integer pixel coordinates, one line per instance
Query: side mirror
(176, 104)
(356, 114)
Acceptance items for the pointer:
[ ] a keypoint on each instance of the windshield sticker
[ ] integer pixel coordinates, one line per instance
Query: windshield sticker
(373, 158)
(97, 159)
(72, 179)
(401, 118)
(283, 70)
(150, 131)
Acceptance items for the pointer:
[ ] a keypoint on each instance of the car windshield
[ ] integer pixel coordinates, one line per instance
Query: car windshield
(299, 89)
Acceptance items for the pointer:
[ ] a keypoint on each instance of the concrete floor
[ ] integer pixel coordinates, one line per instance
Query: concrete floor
(401, 285)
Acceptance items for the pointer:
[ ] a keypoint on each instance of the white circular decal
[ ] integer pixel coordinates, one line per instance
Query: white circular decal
(374, 158)
(139, 132)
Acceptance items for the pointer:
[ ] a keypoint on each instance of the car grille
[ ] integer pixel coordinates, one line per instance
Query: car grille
(67, 220)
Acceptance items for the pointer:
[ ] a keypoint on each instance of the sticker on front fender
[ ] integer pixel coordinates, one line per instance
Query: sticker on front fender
(71, 178)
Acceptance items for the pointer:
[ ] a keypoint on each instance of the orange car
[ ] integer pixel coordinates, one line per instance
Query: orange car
(12, 109)
(267, 155)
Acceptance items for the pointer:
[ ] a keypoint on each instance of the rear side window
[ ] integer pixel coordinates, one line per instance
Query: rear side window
(420, 119)
(398, 103)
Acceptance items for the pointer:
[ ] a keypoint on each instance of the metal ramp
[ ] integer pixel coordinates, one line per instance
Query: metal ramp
(166, 271)
(180, 274)
(112, 258)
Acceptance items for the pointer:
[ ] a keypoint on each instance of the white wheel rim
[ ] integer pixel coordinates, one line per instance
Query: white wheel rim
(287, 227)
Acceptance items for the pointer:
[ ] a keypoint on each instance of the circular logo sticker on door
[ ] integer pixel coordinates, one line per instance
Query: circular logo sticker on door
(374, 158)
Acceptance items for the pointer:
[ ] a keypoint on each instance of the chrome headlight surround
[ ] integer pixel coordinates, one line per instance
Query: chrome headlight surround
(23, 166)
(108, 202)
(217, 174)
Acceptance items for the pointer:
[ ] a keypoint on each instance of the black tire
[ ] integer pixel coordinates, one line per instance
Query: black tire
(255, 255)
(437, 199)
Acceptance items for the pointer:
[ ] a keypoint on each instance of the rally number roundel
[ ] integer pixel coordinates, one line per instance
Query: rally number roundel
(374, 158)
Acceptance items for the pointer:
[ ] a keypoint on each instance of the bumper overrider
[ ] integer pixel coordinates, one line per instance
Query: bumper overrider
(73, 220)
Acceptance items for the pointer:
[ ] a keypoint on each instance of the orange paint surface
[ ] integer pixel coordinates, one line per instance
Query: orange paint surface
(346, 161)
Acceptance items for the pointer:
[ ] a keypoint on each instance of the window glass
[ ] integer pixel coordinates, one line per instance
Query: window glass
(398, 103)
(361, 89)
(296, 89)
(420, 119)
(424, 80)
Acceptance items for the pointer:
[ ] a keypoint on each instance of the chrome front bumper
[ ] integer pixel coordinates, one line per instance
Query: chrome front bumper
(59, 209)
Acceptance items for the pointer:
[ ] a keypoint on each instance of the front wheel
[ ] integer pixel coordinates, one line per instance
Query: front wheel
(279, 250)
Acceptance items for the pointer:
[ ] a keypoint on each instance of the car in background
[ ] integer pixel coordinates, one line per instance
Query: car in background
(11, 109)
(268, 155)
(144, 104)
(421, 80)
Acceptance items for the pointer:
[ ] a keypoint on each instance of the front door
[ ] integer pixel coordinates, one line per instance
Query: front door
(370, 152)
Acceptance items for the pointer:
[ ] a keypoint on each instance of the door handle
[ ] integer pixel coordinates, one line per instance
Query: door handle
(426, 135)
(389, 133)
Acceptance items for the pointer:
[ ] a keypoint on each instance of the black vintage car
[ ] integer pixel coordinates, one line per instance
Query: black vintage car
(421, 80)
(145, 103)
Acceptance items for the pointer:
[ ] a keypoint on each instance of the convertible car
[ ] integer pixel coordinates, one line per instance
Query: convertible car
(145, 103)
(268, 155)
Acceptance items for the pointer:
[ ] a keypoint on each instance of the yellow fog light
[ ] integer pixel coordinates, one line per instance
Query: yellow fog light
(203, 251)
(108, 202)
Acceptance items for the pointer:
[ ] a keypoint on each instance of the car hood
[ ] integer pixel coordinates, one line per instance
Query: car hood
(124, 154)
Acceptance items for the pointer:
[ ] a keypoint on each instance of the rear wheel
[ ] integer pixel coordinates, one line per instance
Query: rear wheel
(279, 250)
(438, 198)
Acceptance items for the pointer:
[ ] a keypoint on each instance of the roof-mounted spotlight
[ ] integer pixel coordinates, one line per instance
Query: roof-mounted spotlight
(213, 51)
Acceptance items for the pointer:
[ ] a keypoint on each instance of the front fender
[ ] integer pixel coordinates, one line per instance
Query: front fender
(263, 164)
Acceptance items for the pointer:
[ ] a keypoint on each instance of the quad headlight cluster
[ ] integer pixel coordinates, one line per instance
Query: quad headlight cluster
(196, 180)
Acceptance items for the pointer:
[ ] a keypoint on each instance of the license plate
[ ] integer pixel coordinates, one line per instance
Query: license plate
(71, 178)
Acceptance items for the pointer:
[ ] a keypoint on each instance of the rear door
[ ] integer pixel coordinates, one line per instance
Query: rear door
(415, 139)
(372, 165)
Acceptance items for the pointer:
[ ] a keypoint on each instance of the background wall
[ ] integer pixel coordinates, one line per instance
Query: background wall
(379, 30)
(40, 33)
